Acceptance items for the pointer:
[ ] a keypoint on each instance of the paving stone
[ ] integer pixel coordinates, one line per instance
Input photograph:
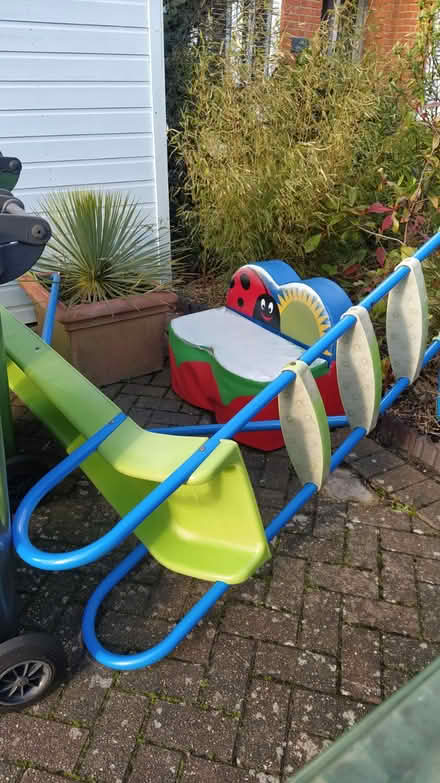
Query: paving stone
(276, 473)
(129, 598)
(431, 514)
(125, 401)
(421, 494)
(361, 546)
(38, 776)
(154, 391)
(430, 601)
(141, 416)
(300, 523)
(326, 550)
(114, 737)
(287, 585)
(192, 729)
(252, 591)
(323, 715)
(428, 571)
(364, 448)
(320, 625)
(330, 519)
(167, 419)
(168, 678)
(169, 595)
(379, 516)
(83, 696)
(381, 615)
(302, 748)
(343, 485)
(155, 765)
(129, 633)
(24, 738)
(408, 654)
(411, 544)
(262, 736)
(361, 664)
(152, 403)
(270, 498)
(8, 773)
(376, 463)
(255, 464)
(421, 527)
(162, 378)
(301, 667)
(399, 478)
(228, 674)
(398, 579)
(112, 390)
(197, 645)
(259, 623)
(392, 681)
(201, 771)
(341, 579)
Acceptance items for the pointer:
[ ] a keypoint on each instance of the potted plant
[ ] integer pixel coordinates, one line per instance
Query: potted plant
(114, 304)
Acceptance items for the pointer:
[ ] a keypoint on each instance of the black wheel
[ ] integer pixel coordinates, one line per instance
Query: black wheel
(31, 666)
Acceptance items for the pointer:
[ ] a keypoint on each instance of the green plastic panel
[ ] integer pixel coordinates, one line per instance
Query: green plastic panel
(396, 743)
(210, 528)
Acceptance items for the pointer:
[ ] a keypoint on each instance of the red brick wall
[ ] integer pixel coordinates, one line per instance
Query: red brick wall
(299, 18)
(389, 20)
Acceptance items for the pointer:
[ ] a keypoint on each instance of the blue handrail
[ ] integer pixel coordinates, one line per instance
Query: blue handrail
(49, 320)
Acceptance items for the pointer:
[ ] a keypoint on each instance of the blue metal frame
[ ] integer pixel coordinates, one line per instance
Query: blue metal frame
(49, 320)
(239, 423)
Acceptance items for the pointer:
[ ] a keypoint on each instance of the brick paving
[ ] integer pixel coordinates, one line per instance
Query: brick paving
(344, 613)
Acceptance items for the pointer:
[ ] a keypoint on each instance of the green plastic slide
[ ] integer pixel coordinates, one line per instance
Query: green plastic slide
(210, 528)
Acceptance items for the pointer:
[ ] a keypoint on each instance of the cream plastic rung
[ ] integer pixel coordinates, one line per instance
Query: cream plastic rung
(407, 322)
(305, 427)
(359, 371)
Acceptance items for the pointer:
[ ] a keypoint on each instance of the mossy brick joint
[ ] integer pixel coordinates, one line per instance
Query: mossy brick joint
(389, 21)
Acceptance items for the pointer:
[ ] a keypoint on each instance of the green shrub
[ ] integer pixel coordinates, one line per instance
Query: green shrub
(271, 162)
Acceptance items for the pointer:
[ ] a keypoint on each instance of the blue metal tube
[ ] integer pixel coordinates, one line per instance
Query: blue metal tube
(253, 426)
(49, 320)
(429, 247)
(20, 526)
(166, 645)
(431, 351)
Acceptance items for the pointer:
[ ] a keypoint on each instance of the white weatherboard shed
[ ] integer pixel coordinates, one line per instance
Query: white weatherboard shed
(82, 103)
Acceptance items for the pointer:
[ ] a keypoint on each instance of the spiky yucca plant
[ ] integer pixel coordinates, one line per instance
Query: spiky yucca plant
(102, 247)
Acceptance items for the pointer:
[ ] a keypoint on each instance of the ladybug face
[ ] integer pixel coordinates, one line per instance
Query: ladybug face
(266, 310)
(244, 289)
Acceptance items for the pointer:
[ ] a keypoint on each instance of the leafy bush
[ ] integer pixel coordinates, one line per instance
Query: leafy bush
(271, 162)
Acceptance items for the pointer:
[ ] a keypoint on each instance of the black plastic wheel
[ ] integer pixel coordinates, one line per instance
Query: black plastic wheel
(31, 666)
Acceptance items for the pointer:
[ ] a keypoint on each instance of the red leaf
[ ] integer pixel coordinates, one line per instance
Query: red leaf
(380, 256)
(352, 270)
(387, 223)
(379, 208)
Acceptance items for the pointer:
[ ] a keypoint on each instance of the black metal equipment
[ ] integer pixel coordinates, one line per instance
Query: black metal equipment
(31, 664)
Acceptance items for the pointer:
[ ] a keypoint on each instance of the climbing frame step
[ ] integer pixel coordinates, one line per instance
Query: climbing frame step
(305, 426)
(359, 371)
(407, 322)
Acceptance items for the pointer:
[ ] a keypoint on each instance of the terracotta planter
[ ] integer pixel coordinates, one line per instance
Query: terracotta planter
(108, 341)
